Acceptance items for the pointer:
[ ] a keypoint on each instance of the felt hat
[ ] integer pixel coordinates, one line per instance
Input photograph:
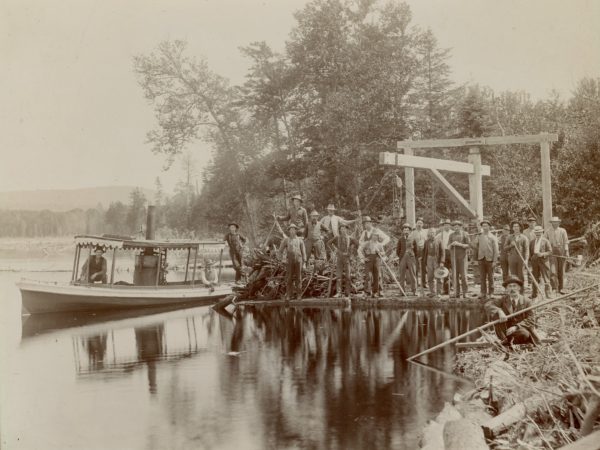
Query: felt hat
(456, 222)
(330, 207)
(292, 225)
(441, 272)
(314, 213)
(447, 222)
(555, 219)
(532, 219)
(367, 219)
(538, 229)
(234, 224)
(98, 249)
(513, 280)
(421, 219)
(406, 225)
(485, 221)
(297, 197)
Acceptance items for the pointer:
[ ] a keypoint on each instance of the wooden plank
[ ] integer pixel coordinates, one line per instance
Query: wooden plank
(491, 140)
(475, 183)
(420, 162)
(452, 193)
(546, 183)
(409, 189)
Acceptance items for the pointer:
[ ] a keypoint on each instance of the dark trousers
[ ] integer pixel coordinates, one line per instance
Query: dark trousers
(516, 267)
(520, 336)
(486, 275)
(448, 265)
(294, 277)
(504, 267)
(558, 268)
(316, 247)
(371, 282)
(407, 268)
(343, 274)
(540, 273)
(236, 260)
(461, 261)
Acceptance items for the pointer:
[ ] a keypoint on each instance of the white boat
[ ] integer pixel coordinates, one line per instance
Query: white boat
(149, 288)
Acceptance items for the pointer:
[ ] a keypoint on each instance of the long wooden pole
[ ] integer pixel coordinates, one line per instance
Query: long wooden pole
(546, 181)
(195, 263)
(497, 321)
(74, 274)
(530, 274)
(221, 265)
(393, 276)
(187, 264)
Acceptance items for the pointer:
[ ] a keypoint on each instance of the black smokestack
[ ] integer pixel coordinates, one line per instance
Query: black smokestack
(151, 223)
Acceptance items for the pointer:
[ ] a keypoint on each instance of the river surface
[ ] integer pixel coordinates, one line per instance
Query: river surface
(260, 378)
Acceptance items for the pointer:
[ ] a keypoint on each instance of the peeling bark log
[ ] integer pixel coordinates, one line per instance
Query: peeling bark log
(503, 421)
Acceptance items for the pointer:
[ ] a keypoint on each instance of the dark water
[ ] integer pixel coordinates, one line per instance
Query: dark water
(260, 378)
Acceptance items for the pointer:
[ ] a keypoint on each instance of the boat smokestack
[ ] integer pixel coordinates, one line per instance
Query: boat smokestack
(151, 223)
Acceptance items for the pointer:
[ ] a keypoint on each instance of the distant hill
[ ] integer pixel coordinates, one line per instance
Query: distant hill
(67, 199)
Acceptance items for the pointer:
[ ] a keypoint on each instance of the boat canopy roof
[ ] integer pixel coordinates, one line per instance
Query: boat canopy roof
(128, 243)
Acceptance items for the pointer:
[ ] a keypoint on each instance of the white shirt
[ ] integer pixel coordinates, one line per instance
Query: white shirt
(445, 238)
(536, 246)
(333, 222)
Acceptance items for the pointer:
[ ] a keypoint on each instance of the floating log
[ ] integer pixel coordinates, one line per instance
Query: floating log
(463, 434)
(222, 304)
(590, 442)
(463, 346)
(503, 421)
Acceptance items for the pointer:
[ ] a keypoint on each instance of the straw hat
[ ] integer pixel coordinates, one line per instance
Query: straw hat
(441, 272)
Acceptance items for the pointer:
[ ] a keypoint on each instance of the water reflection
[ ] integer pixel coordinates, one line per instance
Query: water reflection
(266, 377)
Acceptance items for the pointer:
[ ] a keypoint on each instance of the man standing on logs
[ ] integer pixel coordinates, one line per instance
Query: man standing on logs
(560, 250)
(296, 257)
(235, 242)
(343, 244)
(444, 237)
(297, 215)
(433, 255)
(314, 239)
(419, 235)
(486, 252)
(459, 243)
(519, 329)
(503, 249)
(406, 250)
(540, 250)
(371, 248)
(518, 253)
(332, 223)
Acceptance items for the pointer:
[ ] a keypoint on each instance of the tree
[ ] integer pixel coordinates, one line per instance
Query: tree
(136, 213)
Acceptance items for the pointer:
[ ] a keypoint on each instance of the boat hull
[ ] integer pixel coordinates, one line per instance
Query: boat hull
(40, 298)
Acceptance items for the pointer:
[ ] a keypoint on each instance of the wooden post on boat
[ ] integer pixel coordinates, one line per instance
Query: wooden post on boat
(88, 264)
(187, 265)
(75, 265)
(112, 268)
(195, 262)
(158, 266)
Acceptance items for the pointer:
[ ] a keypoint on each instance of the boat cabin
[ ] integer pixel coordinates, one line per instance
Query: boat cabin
(150, 266)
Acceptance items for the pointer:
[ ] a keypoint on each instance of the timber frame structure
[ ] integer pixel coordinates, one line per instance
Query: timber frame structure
(474, 168)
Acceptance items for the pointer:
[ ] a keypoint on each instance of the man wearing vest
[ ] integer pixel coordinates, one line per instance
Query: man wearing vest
(486, 251)
(331, 223)
(314, 239)
(297, 215)
(458, 244)
(296, 257)
(371, 248)
(343, 244)
(433, 255)
(235, 242)
(540, 250)
(560, 250)
(94, 269)
(419, 235)
(406, 250)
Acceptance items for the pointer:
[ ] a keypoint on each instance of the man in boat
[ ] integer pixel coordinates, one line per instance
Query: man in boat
(209, 276)
(486, 252)
(235, 241)
(371, 249)
(406, 249)
(519, 329)
(343, 244)
(331, 222)
(94, 269)
(296, 257)
(297, 215)
(314, 239)
(540, 250)
(459, 243)
(560, 250)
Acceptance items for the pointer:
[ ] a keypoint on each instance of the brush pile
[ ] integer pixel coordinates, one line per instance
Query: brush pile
(592, 237)
(557, 386)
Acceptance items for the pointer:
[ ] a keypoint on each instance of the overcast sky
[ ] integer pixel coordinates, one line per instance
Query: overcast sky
(72, 114)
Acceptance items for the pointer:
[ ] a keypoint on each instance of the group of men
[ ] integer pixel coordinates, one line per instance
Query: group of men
(427, 258)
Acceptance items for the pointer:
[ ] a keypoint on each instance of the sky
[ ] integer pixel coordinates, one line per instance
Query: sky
(72, 114)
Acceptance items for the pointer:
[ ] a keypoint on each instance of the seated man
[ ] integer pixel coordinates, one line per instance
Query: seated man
(209, 276)
(519, 329)
(94, 269)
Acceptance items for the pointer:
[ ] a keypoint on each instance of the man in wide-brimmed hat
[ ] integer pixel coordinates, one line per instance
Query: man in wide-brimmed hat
(560, 250)
(293, 246)
(459, 243)
(94, 268)
(371, 248)
(314, 242)
(487, 254)
(519, 329)
(518, 252)
(540, 250)
(235, 241)
(406, 249)
(297, 215)
(343, 244)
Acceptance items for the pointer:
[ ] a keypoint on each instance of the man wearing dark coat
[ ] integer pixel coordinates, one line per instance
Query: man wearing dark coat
(433, 255)
(519, 329)
(296, 215)
(540, 250)
(94, 269)
(343, 244)
(406, 250)
(236, 242)
(293, 246)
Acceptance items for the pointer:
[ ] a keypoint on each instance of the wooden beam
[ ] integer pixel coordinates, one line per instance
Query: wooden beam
(452, 193)
(420, 162)
(546, 183)
(409, 189)
(475, 183)
(492, 140)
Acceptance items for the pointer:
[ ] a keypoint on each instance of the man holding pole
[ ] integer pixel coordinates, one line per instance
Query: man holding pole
(296, 257)
(519, 329)
(560, 250)
(459, 243)
(235, 241)
(444, 236)
(371, 247)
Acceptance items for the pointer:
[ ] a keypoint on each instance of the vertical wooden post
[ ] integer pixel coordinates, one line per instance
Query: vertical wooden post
(75, 268)
(475, 183)
(409, 189)
(112, 267)
(159, 263)
(187, 265)
(546, 181)
(195, 262)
